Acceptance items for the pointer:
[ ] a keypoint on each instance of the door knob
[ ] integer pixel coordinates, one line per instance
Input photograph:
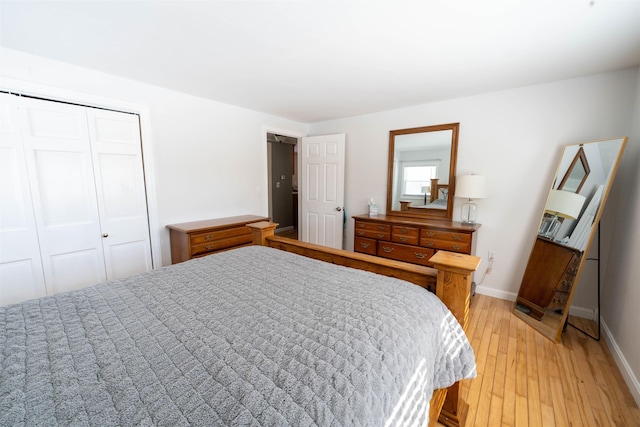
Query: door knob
(105, 235)
(338, 208)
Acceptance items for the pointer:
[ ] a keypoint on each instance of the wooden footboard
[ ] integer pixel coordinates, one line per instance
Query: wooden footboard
(451, 281)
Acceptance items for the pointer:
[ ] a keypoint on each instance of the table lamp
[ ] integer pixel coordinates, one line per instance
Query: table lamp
(471, 187)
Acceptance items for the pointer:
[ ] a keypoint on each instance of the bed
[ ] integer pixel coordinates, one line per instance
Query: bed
(258, 335)
(439, 195)
(438, 198)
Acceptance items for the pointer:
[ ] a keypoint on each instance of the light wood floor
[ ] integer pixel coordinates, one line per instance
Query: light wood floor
(525, 379)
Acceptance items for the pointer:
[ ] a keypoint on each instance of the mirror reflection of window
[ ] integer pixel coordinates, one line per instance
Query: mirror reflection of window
(416, 176)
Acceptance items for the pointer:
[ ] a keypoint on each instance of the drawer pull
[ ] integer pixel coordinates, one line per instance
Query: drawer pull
(457, 237)
(361, 224)
(420, 255)
(365, 245)
(430, 233)
(381, 227)
(387, 250)
(429, 243)
(209, 247)
(380, 235)
(403, 238)
(456, 247)
(361, 233)
(208, 237)
(404, 230)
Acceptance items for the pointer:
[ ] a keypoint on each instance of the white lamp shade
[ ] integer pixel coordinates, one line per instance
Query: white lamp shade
(426, 188)
(471, 186)
(564, 204)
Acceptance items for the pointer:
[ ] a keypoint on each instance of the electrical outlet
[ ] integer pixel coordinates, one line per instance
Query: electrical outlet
(492, 256)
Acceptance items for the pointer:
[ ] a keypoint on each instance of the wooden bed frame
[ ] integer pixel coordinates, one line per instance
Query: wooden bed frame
(451, 279)
(435, 189)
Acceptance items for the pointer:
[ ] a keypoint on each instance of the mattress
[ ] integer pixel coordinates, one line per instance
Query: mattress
(252, 336)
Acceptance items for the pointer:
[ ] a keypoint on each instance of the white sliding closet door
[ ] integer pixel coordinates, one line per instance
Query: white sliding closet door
(117, 159)
(21, 275)
(58, 153)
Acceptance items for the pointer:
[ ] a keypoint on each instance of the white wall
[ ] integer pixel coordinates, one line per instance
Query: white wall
(209, 158)
(514, 137)
(621, 284)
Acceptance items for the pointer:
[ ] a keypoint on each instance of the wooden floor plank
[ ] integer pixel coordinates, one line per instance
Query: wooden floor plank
(555, 385)
(527, 380)
(501, 335)
(509, 401)
(521, 391)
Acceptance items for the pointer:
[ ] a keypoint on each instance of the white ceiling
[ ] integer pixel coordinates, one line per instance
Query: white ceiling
(317, 60)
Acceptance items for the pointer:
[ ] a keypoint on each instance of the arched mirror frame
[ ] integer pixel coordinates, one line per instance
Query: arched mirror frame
(552, 323)
(421, 212)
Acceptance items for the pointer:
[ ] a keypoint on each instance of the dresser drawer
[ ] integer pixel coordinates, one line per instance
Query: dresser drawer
(220, 235)
(364, 245)
(559, 300)
(446, 240)
(216, 245)
(403, 234)
(452, 236)
(446, 245)
(373, 230)
(399, 252)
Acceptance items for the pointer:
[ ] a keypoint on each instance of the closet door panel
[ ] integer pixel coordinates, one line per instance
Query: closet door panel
(119, 175)
(21, 275)
(75, 269)
(66, 197)
(57, 148)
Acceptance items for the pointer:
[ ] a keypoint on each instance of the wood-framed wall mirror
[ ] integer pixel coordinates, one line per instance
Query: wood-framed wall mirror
(565, 232)
(422, 170)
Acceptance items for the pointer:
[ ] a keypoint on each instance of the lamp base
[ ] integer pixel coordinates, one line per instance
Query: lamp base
(469, 212)
(550, 226)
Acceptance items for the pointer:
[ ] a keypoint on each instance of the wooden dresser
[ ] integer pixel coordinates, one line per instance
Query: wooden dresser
(413, 240)
(200, 238)
(548, 278)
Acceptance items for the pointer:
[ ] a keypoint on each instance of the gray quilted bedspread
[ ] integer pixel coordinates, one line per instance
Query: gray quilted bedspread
(252, 336)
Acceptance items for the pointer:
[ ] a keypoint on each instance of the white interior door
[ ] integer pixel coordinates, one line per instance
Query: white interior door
(119, 177)
(322, 181)
(21, 275)
(57, 148)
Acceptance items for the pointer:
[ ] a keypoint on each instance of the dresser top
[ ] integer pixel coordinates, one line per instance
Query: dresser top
(208, 224)
(433, 223)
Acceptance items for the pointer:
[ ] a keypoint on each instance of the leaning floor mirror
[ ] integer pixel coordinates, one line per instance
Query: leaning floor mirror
(565, 232)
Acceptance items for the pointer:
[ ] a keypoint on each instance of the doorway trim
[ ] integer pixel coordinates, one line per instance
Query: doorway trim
(91, 100)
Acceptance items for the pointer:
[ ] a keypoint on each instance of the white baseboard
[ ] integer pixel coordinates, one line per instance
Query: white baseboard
(585, 313)
(629, 377)
(496, 293)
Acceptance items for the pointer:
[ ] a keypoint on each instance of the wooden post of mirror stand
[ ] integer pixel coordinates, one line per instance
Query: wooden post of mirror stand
(261, 230)
(454, 289)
